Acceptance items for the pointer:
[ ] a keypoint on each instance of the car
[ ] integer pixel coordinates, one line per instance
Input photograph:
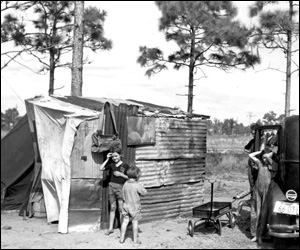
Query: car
(280, 211)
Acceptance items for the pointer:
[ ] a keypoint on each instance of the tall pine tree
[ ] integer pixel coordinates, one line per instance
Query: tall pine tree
(206, 34)
(278, 29)
(53, 33)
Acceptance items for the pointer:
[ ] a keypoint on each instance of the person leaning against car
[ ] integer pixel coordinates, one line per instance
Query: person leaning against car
(262, 183)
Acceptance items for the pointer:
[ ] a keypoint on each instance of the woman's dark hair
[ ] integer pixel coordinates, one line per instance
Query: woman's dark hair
(133, 172)
(264, 151)
(253, 126)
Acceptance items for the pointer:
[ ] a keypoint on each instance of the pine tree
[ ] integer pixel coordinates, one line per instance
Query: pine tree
(278, 29)
(53, 34)
(206, 35)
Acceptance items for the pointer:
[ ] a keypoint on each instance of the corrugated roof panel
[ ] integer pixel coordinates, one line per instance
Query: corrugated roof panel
(165, 111)
(115, 101)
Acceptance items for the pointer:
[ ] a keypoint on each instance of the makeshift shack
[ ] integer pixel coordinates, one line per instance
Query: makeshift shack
(168, 145)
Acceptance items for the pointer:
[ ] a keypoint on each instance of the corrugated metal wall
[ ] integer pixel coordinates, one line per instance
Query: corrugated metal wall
(169, 172)
(171, 201)
(173, 169)
(175, 139)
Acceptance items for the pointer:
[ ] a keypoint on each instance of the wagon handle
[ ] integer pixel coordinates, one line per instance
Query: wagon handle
(212, 180)
(211, 196)
(242, 195)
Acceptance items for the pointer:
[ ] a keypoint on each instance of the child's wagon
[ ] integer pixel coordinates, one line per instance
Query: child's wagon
(210, 214)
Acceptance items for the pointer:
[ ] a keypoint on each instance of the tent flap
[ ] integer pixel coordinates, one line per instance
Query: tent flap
(56, 125)
(17, 158)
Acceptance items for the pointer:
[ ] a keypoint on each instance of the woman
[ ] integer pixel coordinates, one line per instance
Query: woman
(262, 183)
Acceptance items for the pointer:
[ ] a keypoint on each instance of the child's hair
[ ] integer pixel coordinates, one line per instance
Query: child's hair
(134, 172)
(116, 150)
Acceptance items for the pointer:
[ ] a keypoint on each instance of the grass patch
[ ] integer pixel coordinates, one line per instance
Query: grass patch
(226, 164)
(227, 144)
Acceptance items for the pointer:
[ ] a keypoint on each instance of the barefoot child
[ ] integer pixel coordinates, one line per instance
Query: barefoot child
(132, 190)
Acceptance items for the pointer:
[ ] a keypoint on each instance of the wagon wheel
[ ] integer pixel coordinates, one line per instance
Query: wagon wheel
(231, 220)
(218, 226)
(191, 228)
(207, 223)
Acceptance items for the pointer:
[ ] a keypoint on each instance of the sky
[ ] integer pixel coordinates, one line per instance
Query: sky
(242, 95)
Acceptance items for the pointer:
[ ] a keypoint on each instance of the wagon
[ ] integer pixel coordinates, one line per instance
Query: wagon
(210, 214)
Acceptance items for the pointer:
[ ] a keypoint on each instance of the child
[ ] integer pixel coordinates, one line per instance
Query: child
(118, 177)
(132, 190)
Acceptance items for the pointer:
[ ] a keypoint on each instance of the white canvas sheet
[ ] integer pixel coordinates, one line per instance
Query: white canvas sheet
(56, 124)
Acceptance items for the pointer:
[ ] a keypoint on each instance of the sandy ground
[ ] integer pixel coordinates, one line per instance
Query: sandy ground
(34, 233)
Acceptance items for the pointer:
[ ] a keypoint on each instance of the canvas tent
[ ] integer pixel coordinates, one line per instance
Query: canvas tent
(17, 162)
(55, 125)
(65, 174)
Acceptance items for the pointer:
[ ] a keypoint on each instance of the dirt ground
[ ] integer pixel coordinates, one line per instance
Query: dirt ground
(34, 233)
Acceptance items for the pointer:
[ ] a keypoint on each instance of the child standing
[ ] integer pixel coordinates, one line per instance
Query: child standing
(118, 171)
(132, 190)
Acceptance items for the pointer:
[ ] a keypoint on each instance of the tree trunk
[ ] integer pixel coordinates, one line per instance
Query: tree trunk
(52, 52)
(51, 73)
(288, 65)
(76, 87)
(191, 78)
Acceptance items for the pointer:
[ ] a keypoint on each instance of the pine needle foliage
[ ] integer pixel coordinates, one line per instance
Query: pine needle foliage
(206, 34)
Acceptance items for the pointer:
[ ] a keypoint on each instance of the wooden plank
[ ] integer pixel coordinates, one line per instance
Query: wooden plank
(77, 165)
(85, 164)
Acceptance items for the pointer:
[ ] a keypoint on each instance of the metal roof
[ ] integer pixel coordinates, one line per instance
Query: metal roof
(144, 108)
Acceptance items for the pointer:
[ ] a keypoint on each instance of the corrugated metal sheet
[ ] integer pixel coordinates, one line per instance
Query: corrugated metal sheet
(163, 111)
(176, 139)
(173, 169)
(171, 201)
(168, 172)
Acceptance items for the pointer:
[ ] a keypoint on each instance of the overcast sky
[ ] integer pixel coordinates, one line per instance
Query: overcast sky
(115, 74)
